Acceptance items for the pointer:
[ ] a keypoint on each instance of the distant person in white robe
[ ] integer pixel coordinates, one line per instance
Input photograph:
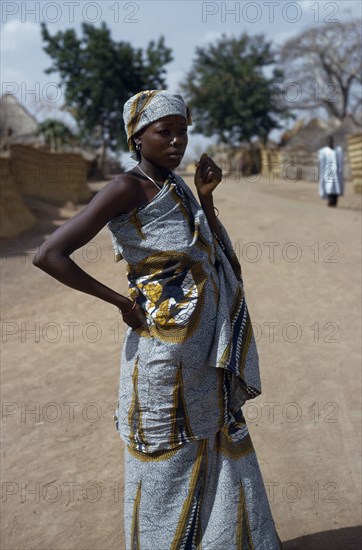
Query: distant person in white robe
(331, 183)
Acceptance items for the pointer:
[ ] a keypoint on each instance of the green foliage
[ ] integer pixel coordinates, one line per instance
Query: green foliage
(56, 133)
(100, 74)
(229, 94)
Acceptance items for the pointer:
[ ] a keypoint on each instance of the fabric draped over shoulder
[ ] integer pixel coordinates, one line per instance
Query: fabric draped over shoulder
(199, 364)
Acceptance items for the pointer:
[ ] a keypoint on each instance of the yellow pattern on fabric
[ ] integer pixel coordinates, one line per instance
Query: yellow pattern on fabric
(202, 243)
(133, 293)
(216, 290)
(183, 209)
(157, 456)
(221, 400)
(233, 449)
(135, 220)
(243, 533)
(153, 290)
(200, 464)
(179, 405)
(251, 545)
(135, 530)
(233, 312)
(248, 336)
(200, 240)
(136, 112)
(239, 528)
(163, 314)
(135, 414)
(179, 333)
(175, 318)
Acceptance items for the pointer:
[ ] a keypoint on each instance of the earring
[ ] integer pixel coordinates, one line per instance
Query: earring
(138, 146)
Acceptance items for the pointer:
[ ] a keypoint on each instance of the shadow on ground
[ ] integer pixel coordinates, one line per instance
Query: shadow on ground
(48, 218)
(348, 538)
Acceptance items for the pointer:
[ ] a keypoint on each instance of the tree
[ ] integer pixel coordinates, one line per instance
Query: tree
(229, 93)
(56, 134)
(99, 75)
(323, 68)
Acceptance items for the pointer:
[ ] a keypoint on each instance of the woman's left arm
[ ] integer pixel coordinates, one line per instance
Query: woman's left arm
(207, 177)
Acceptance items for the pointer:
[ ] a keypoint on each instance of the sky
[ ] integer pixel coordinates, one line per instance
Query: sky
(186, 25)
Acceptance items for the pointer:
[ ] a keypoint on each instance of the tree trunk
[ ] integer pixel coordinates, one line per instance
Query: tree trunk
(103, 156)
(256, 168)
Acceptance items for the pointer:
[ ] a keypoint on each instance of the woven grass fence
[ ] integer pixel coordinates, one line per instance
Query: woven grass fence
(270, 163)
(54, 177)
(355, 158)
(15, 216)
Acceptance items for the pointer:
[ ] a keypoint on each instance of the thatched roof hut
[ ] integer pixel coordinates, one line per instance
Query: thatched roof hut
(17, 125)
(299, 146)
(313, 135)
(310, 136)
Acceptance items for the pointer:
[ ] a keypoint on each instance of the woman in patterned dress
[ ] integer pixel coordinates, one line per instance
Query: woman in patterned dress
(189, 360)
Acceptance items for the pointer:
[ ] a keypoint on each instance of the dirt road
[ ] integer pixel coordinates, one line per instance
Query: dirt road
(62, 465)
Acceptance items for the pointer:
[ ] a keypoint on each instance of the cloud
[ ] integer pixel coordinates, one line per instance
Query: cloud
(327, 9)
(211, 37)
(23, 63)
(19, 36)
(282, 37)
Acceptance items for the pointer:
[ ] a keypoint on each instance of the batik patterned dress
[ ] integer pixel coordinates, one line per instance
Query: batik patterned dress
(192, 478)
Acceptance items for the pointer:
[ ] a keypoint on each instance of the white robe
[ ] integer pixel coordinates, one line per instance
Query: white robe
(330, 171)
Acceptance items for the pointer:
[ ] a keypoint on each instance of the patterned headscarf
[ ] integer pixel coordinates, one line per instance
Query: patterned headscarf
(148, 106)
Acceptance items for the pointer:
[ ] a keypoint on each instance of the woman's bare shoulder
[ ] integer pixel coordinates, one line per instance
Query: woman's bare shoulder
(116, 197)
(120, 195)
(123, 186)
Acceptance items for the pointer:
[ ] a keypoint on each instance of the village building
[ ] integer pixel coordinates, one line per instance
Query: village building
(29, 170)
(17, 125)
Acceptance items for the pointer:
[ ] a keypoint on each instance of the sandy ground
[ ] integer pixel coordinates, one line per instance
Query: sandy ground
(62, 463)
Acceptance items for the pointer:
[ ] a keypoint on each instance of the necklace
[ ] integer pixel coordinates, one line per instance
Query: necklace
(159, 187)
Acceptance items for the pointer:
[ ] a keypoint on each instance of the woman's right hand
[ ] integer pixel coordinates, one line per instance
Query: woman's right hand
(135, 317)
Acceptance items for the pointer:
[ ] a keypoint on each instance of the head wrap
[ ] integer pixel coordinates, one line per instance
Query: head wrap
(148, 106)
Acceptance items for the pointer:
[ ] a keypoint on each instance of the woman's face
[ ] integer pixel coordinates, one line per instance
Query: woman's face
(164, 142)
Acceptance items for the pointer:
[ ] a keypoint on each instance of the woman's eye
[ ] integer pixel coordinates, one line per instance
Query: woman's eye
(164, 132)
